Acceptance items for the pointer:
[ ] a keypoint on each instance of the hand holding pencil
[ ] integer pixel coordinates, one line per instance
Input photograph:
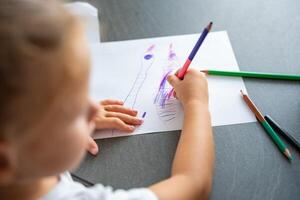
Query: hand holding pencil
(182, 71)
(176, 83)
(193, 88)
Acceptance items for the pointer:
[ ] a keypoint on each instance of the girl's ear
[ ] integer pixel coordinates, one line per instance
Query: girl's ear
(6, 162)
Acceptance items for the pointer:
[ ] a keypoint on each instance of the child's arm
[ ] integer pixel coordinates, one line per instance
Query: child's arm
(193, 164)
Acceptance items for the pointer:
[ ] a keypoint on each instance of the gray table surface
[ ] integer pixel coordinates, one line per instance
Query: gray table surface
(265, 37)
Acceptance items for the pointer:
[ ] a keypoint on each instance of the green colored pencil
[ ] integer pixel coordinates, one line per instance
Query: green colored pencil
(253, 74)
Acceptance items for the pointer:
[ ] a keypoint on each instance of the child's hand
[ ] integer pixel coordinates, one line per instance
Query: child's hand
(113, 115)
(193, 88)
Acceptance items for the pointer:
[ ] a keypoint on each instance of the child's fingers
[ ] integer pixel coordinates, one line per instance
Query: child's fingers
(177, 71)
(125, 118)
(120, 109)
(119, 124)
(111, 102)
(92, 146)
(173, 80)
(174, 94)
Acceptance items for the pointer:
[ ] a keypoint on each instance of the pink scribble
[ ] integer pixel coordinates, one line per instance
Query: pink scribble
(150, 48)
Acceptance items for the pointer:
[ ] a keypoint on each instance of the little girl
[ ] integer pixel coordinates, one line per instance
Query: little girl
(47, 118)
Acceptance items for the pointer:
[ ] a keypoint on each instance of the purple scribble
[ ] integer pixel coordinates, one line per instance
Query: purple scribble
(172, 55)
(161, 95)
(170, 119)
(165, 103)
(148, 56)
(164, 94)
(146, 64)
(167, 115)
(144, 114)
(170, 93)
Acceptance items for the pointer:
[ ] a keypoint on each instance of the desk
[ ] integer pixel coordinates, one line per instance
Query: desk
(265, 36)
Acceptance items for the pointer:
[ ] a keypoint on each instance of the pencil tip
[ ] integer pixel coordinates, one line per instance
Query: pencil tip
(209, 26)
(205, 72)
(242, 92)
(288, 155)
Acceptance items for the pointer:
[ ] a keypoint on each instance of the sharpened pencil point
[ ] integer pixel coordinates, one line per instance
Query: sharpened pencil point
(288, 154)
(209, 26)
(205, 71)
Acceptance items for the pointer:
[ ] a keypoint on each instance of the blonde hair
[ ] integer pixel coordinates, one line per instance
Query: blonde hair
(32, 70)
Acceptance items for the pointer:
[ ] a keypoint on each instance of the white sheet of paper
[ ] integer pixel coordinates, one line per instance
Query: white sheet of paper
(132, 70)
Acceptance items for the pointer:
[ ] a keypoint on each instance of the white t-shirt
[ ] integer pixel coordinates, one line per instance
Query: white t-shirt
(68, 189)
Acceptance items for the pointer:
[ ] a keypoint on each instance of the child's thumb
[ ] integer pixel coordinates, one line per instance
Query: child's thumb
(172, 79)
